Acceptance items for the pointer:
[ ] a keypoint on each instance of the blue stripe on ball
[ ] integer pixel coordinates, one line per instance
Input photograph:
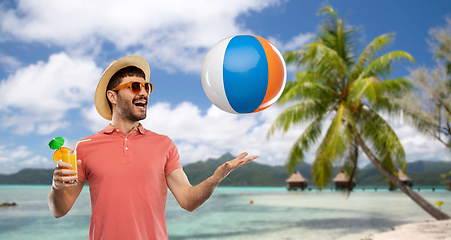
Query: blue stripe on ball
(245, 73)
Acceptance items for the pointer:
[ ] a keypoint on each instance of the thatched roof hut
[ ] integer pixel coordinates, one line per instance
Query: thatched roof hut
(296, 180)
(342, 180)
(404, 178)
(341, 177)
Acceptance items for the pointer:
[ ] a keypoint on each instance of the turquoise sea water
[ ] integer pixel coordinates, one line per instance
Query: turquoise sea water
(275, 214)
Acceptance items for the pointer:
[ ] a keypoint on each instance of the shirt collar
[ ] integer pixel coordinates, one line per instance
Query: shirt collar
(141, 129)
(109, 129)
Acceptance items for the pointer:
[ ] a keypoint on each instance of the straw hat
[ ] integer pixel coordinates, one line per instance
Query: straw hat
(100, 99)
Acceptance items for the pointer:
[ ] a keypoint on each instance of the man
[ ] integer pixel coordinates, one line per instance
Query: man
(128, 167)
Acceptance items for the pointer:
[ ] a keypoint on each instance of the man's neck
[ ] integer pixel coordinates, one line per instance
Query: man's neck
(125, 126)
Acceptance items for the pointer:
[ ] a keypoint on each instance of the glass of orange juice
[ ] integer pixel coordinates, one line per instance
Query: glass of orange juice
(65, 154)
(72, 159)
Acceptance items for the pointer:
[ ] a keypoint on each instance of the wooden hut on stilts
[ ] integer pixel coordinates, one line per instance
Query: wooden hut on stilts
(404, 178)
(296, 181)
(342, 180)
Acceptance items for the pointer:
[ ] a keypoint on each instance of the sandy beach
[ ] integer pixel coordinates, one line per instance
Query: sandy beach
(430, 230)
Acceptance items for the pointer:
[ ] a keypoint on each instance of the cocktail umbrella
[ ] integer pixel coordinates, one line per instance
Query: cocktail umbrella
(56, 143)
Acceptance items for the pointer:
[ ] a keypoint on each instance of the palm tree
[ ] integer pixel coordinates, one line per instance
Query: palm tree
(336, 83)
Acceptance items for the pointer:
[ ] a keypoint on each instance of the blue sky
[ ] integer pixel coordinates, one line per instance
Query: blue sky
(52, 54)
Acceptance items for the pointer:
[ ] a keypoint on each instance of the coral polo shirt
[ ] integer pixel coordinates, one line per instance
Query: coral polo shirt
(127, 182)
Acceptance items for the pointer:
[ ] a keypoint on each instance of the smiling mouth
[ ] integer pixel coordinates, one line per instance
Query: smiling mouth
(141, 104)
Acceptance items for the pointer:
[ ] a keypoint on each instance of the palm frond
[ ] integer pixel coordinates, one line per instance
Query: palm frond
(364, 87)
(303, 144)
(379, 94)
(387, 162)
(294, 57)
(306, 87)
(383, 65)
(327, 10)
(384, 140)
(329, 67)
(336, 34)
(322, 170)
(397, 87)
(390, 95)
(370, 53)
(338, 136)
(298, 113)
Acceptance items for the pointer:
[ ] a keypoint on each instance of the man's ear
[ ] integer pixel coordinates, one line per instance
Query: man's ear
(112, 96)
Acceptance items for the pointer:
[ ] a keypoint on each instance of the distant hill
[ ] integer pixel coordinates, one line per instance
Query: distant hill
(252, 174)
(30, 176)
(423, 173)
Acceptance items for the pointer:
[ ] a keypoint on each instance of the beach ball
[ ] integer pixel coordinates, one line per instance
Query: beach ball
(243, 74)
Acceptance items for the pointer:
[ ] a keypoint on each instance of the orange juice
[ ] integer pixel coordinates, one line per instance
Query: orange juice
(72, 159)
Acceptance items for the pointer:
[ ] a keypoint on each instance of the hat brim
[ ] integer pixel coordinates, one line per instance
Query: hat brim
(100, 99)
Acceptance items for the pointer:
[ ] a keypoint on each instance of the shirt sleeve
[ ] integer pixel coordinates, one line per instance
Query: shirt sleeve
(173, 159)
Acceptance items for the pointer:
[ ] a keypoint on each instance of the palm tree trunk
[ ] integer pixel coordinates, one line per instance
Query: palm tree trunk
(355, 157)
(429, 208)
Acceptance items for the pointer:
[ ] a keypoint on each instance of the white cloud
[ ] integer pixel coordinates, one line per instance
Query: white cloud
(419, 146)
(94, 121)
(200, 136)
(170, 34)
(9, 63)
(37, 98)
(295, 43)
(185, 122)
(197, 152)
(14, 159)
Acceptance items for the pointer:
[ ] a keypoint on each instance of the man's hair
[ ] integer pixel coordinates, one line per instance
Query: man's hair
(116, 79)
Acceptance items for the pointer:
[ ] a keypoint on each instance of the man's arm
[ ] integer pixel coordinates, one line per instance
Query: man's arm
(191, 197)
(63, 194)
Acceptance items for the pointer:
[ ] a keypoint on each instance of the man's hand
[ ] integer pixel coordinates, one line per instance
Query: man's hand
(62, 176)
(190, 197)
(63, 194)
(226, 168)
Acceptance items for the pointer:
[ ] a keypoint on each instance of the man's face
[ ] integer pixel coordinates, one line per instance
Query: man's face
(129, 105)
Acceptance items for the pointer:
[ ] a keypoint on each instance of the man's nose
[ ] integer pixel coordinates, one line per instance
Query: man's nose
(143, 91)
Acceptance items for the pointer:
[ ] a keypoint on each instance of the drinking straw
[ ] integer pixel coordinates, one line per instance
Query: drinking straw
(76, 144)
